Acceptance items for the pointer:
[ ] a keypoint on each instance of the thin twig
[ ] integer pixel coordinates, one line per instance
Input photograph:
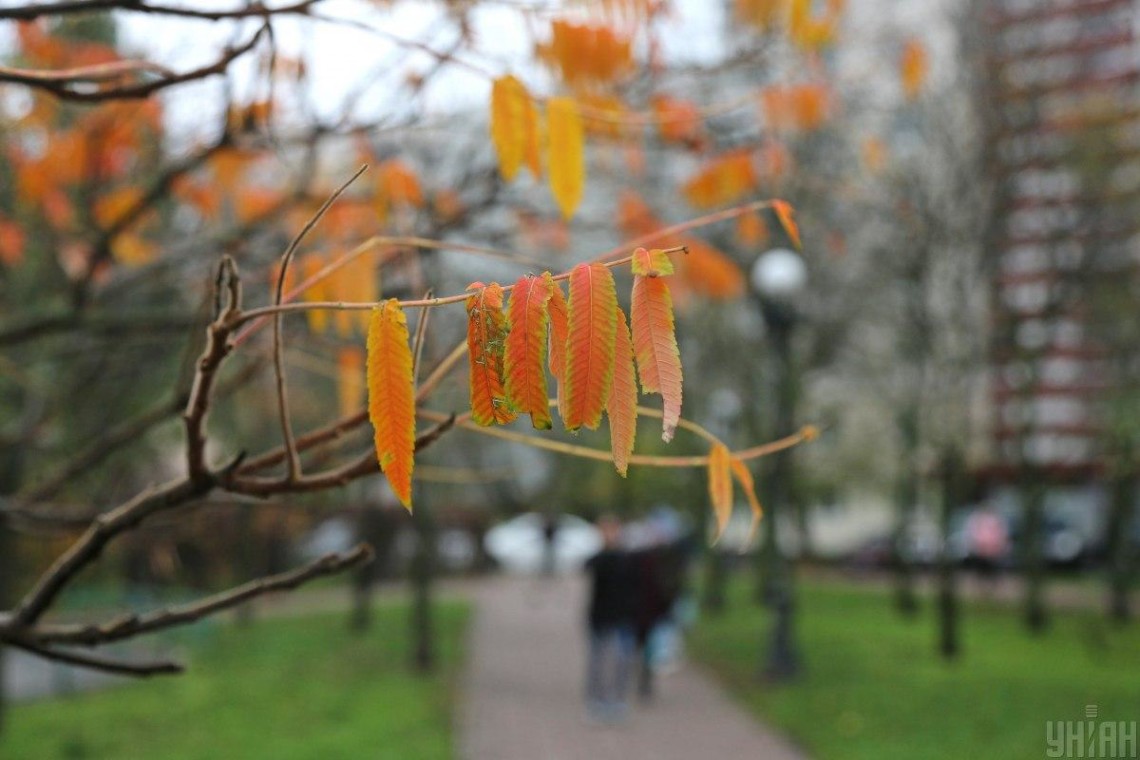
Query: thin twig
(364, 465)
(217, 348)
(29, 12)
(94, 662)
(587, 452)
(418, 341)
(44, 80)
(134, 625)
(413, 303)
(293, 462)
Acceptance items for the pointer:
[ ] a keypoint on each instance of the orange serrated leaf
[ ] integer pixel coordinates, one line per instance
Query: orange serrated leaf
(654, 263)
(509, 114)
(349, 379)
(744, 478)
(622, 406)
(391, 398)
(524, 357)
(486, 331)
(786, 214)
(592, 321)
(655, 343)
(720, 486)
(566, 156)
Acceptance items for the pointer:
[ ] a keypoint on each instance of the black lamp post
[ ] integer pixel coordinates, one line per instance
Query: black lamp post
(778, 277)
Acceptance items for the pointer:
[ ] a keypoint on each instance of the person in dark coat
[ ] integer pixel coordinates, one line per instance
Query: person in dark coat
(610, 619)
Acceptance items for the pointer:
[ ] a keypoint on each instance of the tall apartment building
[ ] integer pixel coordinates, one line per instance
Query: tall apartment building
(1063, 99)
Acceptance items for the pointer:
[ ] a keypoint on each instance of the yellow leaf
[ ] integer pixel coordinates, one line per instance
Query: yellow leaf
(509, 118)
(913, 65)
(785, 213)
(720, 486)
(744, 478)
(350, 379)
(566, 157)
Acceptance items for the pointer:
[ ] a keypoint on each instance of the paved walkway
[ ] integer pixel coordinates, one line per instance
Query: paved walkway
(523, 693)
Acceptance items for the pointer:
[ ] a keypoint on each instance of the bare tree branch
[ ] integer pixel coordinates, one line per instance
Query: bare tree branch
(293, 461)
(94, 662)
(66, 89)
(32, 11)
(133, 625)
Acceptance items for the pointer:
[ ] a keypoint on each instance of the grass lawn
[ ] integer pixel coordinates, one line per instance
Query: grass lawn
(874, 688)
(280, 689)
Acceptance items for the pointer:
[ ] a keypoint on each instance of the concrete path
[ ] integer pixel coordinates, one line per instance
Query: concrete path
(523, 692)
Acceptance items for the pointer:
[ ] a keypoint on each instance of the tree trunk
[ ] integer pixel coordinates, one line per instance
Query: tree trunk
(423, 572)
(1033, 557)
(11, 475)
(372, 528)
(7, 569)
(1122, 513)
(906, 498)
(712, 596)
(948, 609)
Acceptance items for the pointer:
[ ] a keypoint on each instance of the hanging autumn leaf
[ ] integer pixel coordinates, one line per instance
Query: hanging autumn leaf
(532, 148)
(397, 184)
(678, 121)
(913, 66)
(11, 243)
(744, 478)
(524, 357)
(655, 343)
(350, 378)
(622, 406)
(486, 332)
(310, 264)
(724, 179)
(364, 285)
(786, 214)
(566, 156)
(559, 330)
(710, 272)
(720, 486)
(509, 114)
(751, 231)
(339, 286)
(762, 14)
(391, 399)
(592, 321)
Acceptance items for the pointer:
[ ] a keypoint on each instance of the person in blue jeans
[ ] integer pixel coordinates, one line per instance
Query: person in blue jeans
(611, 624)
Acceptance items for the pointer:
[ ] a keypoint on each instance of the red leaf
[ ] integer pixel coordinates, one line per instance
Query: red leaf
(654, 341)
(486, 331)
(592, 320)
(524, 358)
(622, 406)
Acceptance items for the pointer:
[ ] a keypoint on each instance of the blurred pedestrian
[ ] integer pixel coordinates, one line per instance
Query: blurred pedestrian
(549, 544)
(989, 544)
(611, 624)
